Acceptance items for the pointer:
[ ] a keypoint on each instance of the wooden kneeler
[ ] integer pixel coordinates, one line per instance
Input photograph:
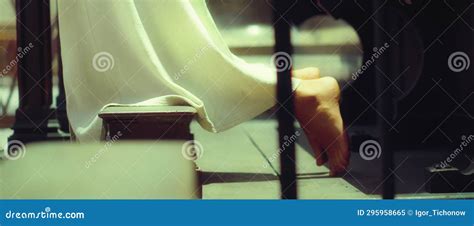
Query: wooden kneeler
(147, 122)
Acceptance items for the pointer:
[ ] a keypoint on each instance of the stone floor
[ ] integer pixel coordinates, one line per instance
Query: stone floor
(236, 167)
(240, 164)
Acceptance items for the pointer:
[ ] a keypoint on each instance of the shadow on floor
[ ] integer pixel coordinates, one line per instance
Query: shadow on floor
(230, 177)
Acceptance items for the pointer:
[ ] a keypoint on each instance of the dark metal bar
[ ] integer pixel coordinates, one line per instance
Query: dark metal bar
(284, 48)
(388, 64)
(34, 71)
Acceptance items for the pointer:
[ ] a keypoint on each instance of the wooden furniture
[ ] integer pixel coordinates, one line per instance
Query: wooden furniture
(8, 53)
(8, 49)
(147, 122)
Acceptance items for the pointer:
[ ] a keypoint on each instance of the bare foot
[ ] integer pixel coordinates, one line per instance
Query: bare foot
(317, 110)
(311, 73)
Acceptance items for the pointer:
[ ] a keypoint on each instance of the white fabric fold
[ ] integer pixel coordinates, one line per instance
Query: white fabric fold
(155, 52)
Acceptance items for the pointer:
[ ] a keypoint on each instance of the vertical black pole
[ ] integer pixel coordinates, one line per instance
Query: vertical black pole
(388, 64)
(283, 48)
(34, 71)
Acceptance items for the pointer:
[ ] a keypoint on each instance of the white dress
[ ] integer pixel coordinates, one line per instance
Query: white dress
(155, 52)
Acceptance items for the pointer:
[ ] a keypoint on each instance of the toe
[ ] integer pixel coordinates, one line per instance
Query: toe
(307, 73)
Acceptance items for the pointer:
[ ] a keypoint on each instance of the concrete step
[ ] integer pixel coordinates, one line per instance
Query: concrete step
(125, 170)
